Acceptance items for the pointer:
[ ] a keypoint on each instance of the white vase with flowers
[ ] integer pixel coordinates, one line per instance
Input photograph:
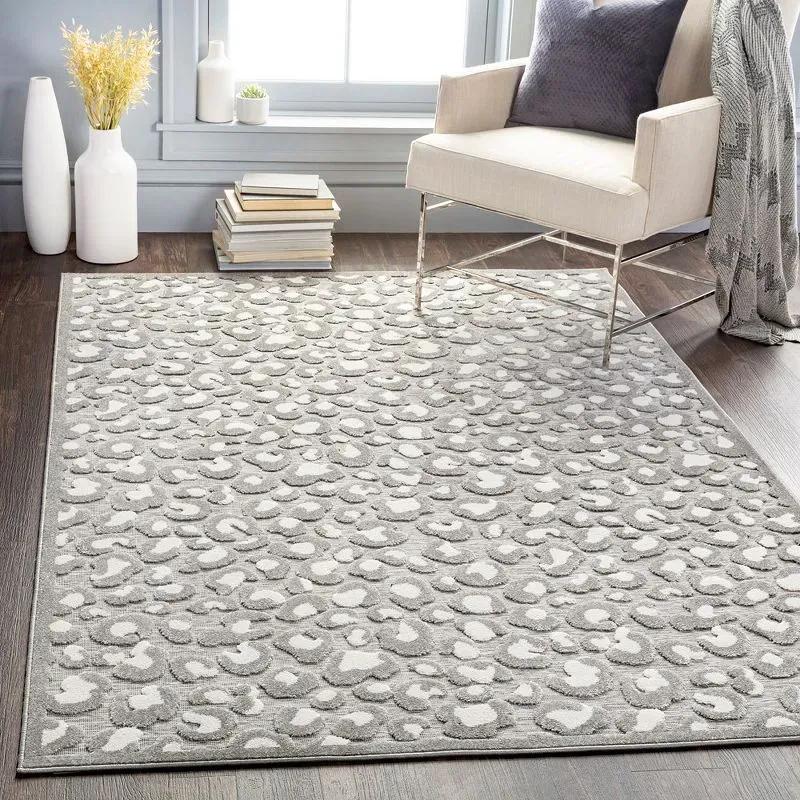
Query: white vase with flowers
(112, 74)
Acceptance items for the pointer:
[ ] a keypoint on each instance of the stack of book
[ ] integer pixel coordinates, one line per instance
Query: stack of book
(273, 221)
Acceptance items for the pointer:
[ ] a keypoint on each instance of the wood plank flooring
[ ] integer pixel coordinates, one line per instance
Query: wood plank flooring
(759, 387)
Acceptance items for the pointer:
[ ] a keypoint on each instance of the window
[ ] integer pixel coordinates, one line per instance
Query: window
(352, 55)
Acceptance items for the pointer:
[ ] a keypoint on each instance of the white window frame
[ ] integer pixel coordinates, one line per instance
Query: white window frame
(359, 148)
(343, 96)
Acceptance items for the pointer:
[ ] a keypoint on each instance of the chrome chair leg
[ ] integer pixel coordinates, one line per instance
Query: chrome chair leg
(612, 306)
(423, 208)
(561, 237)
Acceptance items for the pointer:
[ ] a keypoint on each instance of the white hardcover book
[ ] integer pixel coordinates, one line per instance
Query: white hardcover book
(271, 236)
(285, 246)
(242, 257)
(251, 201)
(238, 214)
(281, 184)
(224, 264)
(266, 227)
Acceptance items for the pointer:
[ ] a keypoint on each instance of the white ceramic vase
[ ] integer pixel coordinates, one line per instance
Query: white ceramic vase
(252, 110)
(45, 171)
(215, 85)
(105, 201)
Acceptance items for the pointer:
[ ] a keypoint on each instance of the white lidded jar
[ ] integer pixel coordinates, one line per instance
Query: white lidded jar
(215, 85)
(45, 171)
(106, 222)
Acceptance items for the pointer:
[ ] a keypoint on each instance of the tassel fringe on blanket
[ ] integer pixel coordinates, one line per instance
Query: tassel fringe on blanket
(752, 241)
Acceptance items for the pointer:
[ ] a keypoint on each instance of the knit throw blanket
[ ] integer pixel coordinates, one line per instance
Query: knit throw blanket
(752, 243)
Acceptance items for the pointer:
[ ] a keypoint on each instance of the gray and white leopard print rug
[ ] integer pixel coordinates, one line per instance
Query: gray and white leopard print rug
(292, 519)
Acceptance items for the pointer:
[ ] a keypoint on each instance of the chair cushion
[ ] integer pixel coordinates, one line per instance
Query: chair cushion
(558, 177)
(596, 65)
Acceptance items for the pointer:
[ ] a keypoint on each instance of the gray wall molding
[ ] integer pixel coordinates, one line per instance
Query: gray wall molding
(179, 196)
(180, 44)
(308, 149)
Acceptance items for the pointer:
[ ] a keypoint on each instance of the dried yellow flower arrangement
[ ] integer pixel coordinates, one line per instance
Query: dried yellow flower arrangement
(112, 73)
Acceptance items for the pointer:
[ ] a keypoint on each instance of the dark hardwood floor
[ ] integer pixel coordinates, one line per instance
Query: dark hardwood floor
(759, 387)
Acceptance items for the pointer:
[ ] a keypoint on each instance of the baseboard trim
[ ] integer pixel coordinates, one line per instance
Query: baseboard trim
(175, 197)
(175, 207)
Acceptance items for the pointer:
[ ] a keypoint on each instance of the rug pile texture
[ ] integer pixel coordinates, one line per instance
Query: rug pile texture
(290, 519)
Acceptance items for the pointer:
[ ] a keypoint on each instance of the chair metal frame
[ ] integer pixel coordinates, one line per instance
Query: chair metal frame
(560, 236)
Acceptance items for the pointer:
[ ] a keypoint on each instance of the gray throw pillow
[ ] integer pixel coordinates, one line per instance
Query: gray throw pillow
(595, 67)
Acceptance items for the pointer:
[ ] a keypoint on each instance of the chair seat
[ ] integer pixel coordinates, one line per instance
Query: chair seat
(561, 178)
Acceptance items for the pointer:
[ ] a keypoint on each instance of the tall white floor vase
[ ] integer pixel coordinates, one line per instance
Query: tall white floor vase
(45, 171)
(106, 225)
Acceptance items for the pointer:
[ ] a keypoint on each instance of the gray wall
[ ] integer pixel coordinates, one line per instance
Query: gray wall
(173, 195)
(30, 44)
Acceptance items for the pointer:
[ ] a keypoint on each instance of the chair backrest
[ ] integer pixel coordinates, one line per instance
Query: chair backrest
(686, 73)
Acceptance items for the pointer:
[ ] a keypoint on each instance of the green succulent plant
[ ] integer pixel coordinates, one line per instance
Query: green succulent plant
(253, 91)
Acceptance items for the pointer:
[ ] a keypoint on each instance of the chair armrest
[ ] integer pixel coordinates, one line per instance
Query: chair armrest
(675, 158)
(479, 98)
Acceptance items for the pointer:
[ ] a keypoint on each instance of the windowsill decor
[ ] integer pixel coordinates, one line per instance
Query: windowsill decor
(252, 105)
(215, 85)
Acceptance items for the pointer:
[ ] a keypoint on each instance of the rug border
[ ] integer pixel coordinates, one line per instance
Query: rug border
(57, 368)
(362, 758)
(65, 300)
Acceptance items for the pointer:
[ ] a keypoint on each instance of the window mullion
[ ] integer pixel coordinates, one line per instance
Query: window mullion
(218, 21)
(327, 93)
(347, 23)
(476, 45)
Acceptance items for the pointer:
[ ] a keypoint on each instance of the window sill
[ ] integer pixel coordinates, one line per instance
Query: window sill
(321, 123)
(308, 141)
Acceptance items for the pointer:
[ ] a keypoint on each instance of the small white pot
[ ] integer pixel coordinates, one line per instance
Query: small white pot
(105, 201)
(252, 110)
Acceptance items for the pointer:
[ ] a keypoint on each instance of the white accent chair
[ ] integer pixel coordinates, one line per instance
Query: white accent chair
(613, 190)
